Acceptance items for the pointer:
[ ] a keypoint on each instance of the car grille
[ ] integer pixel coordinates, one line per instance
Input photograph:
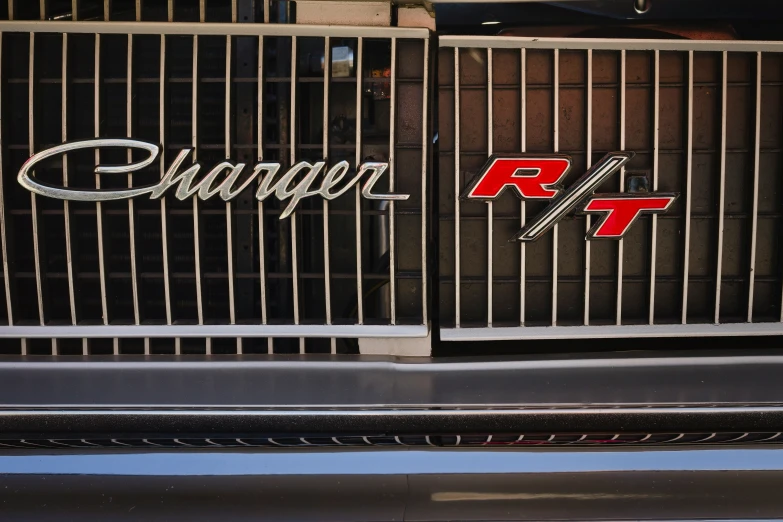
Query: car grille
(704, 120)
(170, 276)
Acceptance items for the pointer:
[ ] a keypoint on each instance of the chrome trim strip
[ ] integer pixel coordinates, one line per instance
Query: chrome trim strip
(589, 163)
(522, 209)
(509, 333)
(655, 161)
(292, 146)
(358, 201)
(392, 172)
(619, 300)
(601, 44)
(457, 192)
(755, 211)
(556, 148)
(213, 330)
(211, 29)
(490, 207)
(687, 191)
(722, 192)
(325, 124)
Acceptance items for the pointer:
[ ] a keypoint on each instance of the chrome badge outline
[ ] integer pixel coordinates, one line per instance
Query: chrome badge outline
(182, 179)
(577, 197)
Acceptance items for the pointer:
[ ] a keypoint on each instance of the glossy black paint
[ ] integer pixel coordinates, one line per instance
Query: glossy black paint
(392, 485)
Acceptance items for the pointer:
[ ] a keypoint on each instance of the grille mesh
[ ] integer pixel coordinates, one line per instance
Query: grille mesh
(180, 262)
(713, 258)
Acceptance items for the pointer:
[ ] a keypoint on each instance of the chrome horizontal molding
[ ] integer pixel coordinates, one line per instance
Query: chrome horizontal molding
(213, 330)
(209, 29)
(600, 44)
(321, 381)
(112, 423)
(610, 331)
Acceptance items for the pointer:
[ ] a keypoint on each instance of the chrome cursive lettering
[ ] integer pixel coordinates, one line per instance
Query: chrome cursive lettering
(293, 185)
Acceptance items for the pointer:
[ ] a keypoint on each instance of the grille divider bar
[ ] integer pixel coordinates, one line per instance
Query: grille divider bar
(424, 172)
(294, 239)
(69, 255)
(163, 211)
(327, 271)
(261, 226)
(358, 202)
(688, 175)
(589, 162)
(196, 212)
(3, 225)
(131, 208)
(522, 148)
(654, 225)
(619, 311)
(392, 157)
(457, 267)
(490, 217)
(556, 132)
(755, 218)
(98, 205)
(39, 285)
(722, 194)
(229, 215)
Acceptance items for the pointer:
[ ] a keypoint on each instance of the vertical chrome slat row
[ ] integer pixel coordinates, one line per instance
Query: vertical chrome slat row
(358, 199)
(588, 163)
(522, 148)
(3, 236)
(619, 311)
(755, 215)
(392, 172)
(261, 225)
(688, 176)
(457, 268)
(325, 123)
(556, 148)
(722, 189)
(490, 209)
(654, 226)
(294, 238)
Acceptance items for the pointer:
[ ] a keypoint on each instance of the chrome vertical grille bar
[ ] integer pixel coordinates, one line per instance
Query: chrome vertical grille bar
(294, 239)
(131, 208)
(74, 9)
(654, 227)
(3, 236)
(722, 193)
(424, 165)
(99, 207)
(490, 216)
(196, 211)
(327, 271)
(229, 215)
(202, 10)
(261, 225)
(755, 215)
(163, 212)
(267, 5)
(688, 174)
(589, 162)
(522, 148)
(457, 267)
(66, 203)
(170, 10)
(33, 199)
(392, 157)
(619, 311)
(358, 200)
(556, 132)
